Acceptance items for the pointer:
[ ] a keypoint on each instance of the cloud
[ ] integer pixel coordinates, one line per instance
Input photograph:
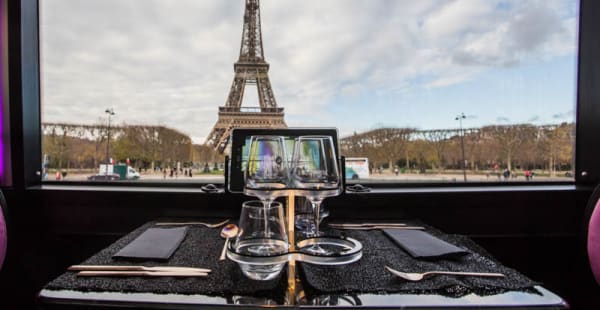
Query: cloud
(170, 62)
(532, 29)
(563, 116)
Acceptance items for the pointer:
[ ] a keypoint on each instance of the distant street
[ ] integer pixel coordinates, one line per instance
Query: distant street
(385, 177)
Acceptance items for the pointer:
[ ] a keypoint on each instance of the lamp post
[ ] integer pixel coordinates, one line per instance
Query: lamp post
(459, 118)
(110, 113)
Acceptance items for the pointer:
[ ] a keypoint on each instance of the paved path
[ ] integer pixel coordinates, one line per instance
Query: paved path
(385, 177)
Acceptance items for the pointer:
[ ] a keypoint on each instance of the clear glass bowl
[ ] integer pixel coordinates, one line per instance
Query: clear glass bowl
(256, 265)
(340, 251)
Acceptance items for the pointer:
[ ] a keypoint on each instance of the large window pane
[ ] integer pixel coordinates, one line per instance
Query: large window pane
(5, 158)
(421, 91)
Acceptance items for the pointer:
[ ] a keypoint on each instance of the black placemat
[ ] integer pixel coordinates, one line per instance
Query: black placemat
(369, 276)
(201, 248)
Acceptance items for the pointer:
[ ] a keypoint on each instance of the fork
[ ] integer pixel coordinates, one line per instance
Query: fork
(419, 276)
(209, 225)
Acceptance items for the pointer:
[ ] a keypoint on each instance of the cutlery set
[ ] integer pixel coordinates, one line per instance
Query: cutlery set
(420, 276)
(209, 225)
(371, 226)
(165, 271)
(177, 271)
(141, 274)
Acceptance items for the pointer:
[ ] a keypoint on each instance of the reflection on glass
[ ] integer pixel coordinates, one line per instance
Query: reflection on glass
(249, 300)
(266, 174)
(333, 300)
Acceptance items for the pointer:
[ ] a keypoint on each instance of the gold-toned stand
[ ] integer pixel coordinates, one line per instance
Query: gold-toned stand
(295, 294)
(291, 294)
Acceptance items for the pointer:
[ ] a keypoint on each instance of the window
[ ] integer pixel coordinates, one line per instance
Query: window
(5, 171)
(436, 91)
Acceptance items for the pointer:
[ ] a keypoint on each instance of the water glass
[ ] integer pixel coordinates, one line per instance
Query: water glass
(262, 234)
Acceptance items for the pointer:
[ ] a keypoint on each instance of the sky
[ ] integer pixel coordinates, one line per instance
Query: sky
(351, 64)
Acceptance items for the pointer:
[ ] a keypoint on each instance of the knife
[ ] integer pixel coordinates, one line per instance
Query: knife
(141, 274)
(136, 268)
(344, 227)
(366, 224)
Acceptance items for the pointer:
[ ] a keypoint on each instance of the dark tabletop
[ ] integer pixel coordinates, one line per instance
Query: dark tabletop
(358, 283)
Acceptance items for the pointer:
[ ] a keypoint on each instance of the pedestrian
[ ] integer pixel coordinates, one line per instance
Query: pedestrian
(396, 170)
(506, 174)
(164, 173)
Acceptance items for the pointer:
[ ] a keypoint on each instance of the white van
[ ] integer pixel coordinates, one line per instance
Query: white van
(357, 168)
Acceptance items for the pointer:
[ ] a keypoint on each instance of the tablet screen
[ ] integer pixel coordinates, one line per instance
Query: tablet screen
(240, 142)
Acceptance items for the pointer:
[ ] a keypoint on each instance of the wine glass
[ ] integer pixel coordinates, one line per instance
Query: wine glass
(315, 174)
(304, 219)
(266, 174)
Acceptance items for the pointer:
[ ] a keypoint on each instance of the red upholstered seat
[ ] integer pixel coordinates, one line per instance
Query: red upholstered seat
(593, 242)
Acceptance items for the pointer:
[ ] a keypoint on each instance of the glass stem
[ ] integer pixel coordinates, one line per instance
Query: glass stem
(316, 205)
(266, 204)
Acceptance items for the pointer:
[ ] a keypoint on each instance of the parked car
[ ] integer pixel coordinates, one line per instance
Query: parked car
(104, 177)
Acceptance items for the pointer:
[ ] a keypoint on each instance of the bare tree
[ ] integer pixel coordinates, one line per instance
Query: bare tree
(438, 139)
(509, 138)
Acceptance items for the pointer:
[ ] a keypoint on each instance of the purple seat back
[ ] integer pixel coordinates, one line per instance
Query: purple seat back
(3, 239)
(593, 242)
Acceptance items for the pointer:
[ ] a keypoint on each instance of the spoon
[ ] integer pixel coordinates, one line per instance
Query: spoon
(229, 231)
(420, 276)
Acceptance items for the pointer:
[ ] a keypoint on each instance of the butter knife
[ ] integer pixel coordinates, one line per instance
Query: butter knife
(366, 224)
(344, 227)
(141, 274)
(136, 268)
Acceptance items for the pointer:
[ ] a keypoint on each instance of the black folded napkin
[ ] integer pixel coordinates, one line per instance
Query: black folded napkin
(154, 243)
(420, 244)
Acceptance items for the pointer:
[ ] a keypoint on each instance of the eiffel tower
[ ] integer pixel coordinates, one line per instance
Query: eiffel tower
(251, 68)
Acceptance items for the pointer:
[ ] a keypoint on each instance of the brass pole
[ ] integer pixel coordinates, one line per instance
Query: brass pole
(292, 242)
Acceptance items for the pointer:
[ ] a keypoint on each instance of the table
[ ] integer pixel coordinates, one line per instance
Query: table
(518, 300)
(65, 292)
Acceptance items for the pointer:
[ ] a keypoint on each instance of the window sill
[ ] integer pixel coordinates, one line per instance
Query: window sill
(196, 188)
(474, 188)
(120, 188)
